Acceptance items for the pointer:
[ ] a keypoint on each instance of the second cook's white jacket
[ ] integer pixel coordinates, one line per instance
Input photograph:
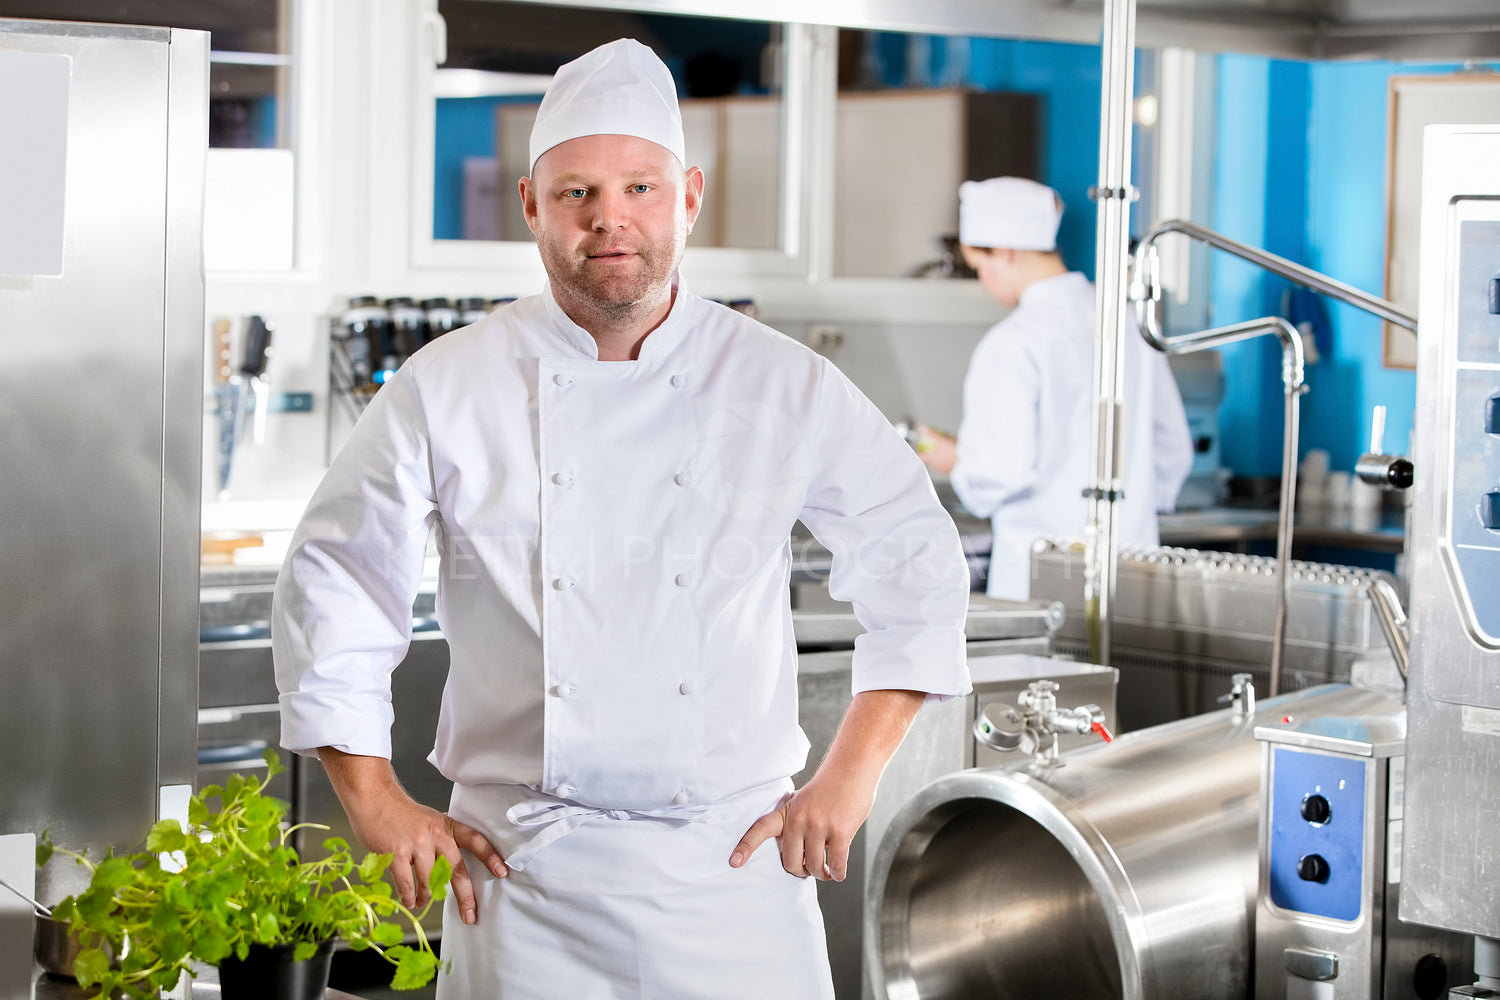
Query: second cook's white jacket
(1023, 445)
(615, 557)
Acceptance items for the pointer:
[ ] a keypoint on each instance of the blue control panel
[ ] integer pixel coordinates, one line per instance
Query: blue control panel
(1316, 848)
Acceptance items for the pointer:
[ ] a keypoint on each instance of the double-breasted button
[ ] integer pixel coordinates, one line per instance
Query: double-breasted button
(682, 479)
(682, 580)
(686, 687)
(566, 791)
(561, 380)
(565, 691)
(563, 478)
(681, 798)
(678, 380)
(563, 583)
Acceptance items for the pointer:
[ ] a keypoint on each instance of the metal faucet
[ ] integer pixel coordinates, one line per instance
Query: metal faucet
(1146, 292)
(1241, 694)
(1032, 725)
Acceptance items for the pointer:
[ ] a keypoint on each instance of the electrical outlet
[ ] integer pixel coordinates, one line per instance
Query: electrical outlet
(825, 339)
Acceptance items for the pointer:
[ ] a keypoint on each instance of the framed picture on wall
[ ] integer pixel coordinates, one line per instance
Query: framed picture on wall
(1467, 98)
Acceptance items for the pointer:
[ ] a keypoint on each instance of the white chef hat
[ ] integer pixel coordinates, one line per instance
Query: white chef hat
(1008, 212)
(620, 88)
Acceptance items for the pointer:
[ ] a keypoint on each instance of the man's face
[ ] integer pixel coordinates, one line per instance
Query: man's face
(611, 215)
(996, 270)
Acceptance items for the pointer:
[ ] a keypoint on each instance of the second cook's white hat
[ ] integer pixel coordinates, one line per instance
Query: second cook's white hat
(620, 88)
(1011, 213)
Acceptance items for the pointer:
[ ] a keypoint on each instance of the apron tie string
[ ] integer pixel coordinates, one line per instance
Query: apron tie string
(552, 819)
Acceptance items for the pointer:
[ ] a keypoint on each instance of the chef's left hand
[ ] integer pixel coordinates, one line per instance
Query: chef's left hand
(816, 823)
(815, 826)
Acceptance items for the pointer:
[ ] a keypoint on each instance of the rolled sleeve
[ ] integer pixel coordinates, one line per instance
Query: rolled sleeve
(341, 613)
(897, 557)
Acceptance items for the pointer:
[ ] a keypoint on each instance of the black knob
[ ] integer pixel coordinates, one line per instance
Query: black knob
(1312, 868)
(1489, 510)
(1401, 474)
(1315, 809)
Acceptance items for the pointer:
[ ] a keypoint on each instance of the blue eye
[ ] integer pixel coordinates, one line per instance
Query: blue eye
(574, 193)
(640, 188)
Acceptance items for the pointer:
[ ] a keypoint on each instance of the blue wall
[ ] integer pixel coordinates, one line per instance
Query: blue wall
(1301, 169)
(1069, 79)
(464, 127)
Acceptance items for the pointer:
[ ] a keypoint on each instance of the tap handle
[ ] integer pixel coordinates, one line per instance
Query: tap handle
(1377, 431)
(257, 347)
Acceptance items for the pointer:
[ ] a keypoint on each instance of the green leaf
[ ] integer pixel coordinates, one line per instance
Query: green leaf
(437, 881)
(112, 873)
(166, 836)
(90, 966)
(210, 946)
(266, 927)
(273, 764)
(96, 908)
(374, 866)
(386, 935)
(304, 949)
(414, 968)
(197, 805)
(175, 946)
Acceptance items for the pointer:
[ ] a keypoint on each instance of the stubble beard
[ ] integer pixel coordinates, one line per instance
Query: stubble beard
(612, 296)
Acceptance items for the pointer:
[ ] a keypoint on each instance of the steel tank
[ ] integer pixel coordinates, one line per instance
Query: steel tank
(1130, 871)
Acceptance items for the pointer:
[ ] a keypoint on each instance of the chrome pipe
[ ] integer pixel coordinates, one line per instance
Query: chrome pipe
(1287, 503)
(1145, 291)
(1293, 378)
(1114, 194)
(1392, 619)
(1315, 280)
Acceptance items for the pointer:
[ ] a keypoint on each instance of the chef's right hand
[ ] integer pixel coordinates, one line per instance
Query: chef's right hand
(386, 820)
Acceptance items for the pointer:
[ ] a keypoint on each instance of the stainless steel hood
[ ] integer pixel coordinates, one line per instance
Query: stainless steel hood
(1450, 30)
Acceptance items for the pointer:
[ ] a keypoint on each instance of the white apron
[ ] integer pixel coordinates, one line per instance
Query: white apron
(631, 905)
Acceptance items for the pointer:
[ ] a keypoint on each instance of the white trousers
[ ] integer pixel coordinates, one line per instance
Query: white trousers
(636, 909)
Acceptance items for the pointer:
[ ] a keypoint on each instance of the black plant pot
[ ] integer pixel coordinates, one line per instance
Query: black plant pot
(268, 972)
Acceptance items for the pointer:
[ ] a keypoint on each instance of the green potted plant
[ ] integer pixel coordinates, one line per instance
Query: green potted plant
(233, 893)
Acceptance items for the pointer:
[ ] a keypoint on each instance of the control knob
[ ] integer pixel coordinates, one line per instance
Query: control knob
(1315, 809)
(1312, 868)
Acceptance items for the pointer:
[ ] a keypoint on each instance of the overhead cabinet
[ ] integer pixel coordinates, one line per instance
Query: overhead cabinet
(900, 157)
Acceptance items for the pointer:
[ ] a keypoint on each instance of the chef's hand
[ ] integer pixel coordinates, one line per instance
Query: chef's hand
(386, 820)
(816, 824)
(937, 450)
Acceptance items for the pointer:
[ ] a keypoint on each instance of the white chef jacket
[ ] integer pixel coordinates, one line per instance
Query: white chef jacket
(615, 557)
(1023, 444)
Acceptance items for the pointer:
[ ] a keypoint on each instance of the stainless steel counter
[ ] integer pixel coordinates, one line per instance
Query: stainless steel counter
(1380, 531)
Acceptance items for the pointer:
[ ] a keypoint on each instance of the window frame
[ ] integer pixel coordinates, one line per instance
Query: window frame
(808, 91)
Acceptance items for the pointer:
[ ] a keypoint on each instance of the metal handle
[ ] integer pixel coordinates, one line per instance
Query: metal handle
(234, 633)
(250, 752)
(37, 906)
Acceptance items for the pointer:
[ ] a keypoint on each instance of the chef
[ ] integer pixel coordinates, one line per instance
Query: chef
(611, 470)
(1022, 452)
